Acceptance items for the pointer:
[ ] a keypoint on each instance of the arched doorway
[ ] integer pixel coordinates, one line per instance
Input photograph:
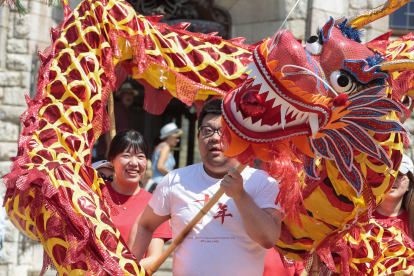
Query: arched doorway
(205, 17)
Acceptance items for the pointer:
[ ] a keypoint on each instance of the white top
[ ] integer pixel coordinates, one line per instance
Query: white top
(3, 217)
(219, 244)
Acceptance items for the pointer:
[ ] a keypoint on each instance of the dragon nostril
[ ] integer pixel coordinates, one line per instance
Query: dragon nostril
(312, 39)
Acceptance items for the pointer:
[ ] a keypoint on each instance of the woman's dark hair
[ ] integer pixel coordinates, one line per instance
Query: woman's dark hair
(124, 141)
(408, 204)
(210, 107)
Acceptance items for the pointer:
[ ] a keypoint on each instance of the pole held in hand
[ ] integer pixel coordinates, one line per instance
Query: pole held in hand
(111, 115)
(180, 237)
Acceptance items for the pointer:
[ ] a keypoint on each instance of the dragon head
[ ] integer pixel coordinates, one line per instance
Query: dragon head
(327, 99)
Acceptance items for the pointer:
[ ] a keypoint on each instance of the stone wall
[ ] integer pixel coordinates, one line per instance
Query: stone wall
(322, 10)
(256, 20)
(20, 40)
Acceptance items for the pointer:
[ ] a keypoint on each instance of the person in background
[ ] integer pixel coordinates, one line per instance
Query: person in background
(125, 94)
(147, 180)
(127, 155)
(105, 170)
(2, 225)
(162, 157)
(397, 209)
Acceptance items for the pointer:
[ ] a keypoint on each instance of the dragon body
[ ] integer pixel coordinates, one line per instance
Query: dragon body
(337, 156)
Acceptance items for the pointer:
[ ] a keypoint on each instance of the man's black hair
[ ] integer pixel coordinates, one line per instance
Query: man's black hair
(211, 107)
(124, 141)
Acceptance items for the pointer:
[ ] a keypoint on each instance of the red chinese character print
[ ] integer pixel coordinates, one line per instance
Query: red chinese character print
(222, 212)
(205, 200)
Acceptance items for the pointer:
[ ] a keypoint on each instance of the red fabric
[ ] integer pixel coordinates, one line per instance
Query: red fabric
(156, 100)
(126, 218)
(274, 265)
(400, 221)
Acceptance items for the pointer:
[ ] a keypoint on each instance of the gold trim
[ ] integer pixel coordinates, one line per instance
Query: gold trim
(397, 65)
(364, 18)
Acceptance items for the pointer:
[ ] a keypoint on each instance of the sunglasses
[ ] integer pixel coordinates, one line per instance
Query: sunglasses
(107, 178)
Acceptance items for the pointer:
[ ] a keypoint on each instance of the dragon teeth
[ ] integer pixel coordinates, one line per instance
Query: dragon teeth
(278, 101)
(270, 95)
(295, 111)
(290, 110)
(314, 123)
(257, 126)
(253, 69)
(283, 110)
(265, 88)
(248, 121)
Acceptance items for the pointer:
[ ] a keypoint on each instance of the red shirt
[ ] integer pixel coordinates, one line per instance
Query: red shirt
(126, 218)
(274, 265)
(401, 221)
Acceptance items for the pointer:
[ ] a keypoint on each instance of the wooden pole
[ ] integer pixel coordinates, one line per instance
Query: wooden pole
(315, 264)
(180, 237)
(111, 113)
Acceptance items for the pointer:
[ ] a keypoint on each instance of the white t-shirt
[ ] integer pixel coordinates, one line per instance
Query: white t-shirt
(219, 245)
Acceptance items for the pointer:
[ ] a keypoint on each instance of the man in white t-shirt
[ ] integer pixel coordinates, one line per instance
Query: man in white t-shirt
(231, 239)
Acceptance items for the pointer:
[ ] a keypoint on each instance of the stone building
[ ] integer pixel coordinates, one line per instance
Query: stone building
(22, 37)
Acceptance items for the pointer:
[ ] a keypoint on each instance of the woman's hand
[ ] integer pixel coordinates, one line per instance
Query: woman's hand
(153, 253)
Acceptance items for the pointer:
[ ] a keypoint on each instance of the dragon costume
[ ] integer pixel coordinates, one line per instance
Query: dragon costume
(337, 156)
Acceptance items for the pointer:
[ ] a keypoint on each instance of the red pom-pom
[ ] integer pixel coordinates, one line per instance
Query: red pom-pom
(340, 100)
(252, 104)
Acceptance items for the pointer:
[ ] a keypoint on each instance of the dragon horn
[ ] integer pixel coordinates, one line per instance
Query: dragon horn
(397, 65)
(364, 18)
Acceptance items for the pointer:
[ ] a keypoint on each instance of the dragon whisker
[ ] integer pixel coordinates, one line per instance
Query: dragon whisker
(287, 17)
(309, 72)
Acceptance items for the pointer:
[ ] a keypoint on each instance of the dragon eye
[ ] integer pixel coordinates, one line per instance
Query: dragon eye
(313, 45)
(342, 82)
(406, 101)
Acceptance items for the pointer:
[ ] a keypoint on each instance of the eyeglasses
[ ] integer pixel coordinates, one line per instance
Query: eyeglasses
(109, 178)
(208, 131)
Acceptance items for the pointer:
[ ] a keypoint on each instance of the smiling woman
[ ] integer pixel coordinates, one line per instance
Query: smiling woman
(397, 208)
(128, 155)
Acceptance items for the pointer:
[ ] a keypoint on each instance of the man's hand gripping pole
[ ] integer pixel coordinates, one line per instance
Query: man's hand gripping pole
(179, 239)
